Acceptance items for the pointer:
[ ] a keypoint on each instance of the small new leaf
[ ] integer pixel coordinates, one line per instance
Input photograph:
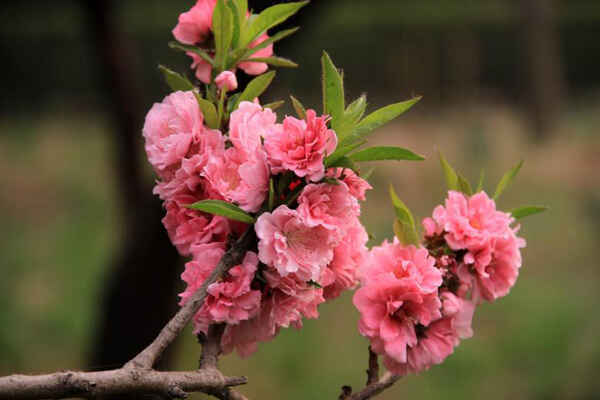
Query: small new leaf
(356, 109)
(224, 209)
(333, 90)
(175, 80)
(379, 153)
(481, 179)
(298, 107)
(208, 111)
(275, 61)
(449, 174)
(269, 18)
(255, 88)
(464, 185)
(274, 105)
(404, 227)
(507, 179)
(383, 116)
(525, 211)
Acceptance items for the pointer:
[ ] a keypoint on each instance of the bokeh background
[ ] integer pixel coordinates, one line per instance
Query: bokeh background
(87, 274)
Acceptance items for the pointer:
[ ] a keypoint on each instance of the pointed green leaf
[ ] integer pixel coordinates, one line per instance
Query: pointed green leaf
(344, 162)
(184, 47)
(255, 88)
(507, 179)
(275, 38)
(208, 111)
(449, 173)
(333, 90)
(275, 61)
(405, 230)
(383, 116)
(298, 107)
(237, 21)
(525, 211)
(222, 27)
(269, 18)
(464, 185)
(356, 109)
(481, 179)
(175, 80)
(367, 174)
(341, 151)
(379, 153)
(274, 105)
(224, 209)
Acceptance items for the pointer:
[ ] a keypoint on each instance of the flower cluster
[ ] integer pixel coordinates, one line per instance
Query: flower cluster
(417, 302)
(310, 246)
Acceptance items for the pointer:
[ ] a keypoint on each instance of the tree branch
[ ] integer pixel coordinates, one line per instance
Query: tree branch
(373, 370)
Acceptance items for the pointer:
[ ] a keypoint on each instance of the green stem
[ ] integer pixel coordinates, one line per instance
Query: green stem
(221, 106)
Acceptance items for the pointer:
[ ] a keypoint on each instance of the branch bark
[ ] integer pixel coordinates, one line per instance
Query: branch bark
(374, 385)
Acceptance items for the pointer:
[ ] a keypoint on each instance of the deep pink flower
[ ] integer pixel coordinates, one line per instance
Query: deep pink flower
(290, 245)
(194, 25)
(301, 146)
(248, 124)
(239, 177)
(399, 292)
(227, 81)
(357, 185)
(460, 312)
(331, 206)
(170, 129)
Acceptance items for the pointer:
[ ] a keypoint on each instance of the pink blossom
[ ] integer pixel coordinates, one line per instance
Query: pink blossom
(203, 69)
(331, 206)
(357, 185)
(301, 146)
(194, 25)
(290, 245)
(232, 300)
(248, 124)
(460, 312)
(257, 68)
(227, 81)
(400, 292)
(170, 128)
(239, 177)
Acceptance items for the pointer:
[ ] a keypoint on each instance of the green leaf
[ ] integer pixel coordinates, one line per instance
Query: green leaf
(525, 211)
(464, 185)
(507, 179)
(237, 21)
(356, 109)
(333, 90)
(184, 47)
(231, 102)
(224, 209)
(404, 228)
(383, 116)
(449, 173)
(367, 174)
(271, 194)
(208, 111)
(298, 107)
(344, 162)
(481, 179)
(268, 18)
(274, 105)
(275, 38)
(255, 88)
(276, 61)
(175, 80)
(341, 151)
(378, 153)
(222, 27)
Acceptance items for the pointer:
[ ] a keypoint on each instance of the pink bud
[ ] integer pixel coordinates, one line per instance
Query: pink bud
(227, 81)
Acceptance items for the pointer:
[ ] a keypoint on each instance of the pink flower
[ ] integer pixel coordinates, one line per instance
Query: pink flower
(290, 245)
(194, 25)
(257, 68)
(169, 130)
(239, 177)
(203, 70)
(301, 146)
(248, 124)
(188, 228)
(357, 185)
(232, 300)
(227, 81)
(460, 312)
(399, 294)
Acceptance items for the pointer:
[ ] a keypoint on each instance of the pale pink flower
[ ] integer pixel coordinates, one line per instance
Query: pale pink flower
(257, 68)
(328, 205)
(188, 228)
(460, 312)
(203, 69)
(357, 185)
(227, 81)
(169, 130)
(239, 177)
(301, 146)
(290, 245)
(231, 299)
(248, 124)
(194, 25)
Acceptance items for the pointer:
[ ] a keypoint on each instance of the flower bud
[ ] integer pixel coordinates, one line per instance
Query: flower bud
(227, 81)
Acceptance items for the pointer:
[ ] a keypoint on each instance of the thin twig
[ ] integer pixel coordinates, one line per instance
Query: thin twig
(376, 388)
(373, 370)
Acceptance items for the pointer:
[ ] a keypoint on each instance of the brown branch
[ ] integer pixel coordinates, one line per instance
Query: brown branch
(137, 376)
(114, 382)
(232, 257)
(373, 370)
(374, 385)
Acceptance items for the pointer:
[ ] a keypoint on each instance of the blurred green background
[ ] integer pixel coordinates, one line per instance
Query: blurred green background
(502, 80)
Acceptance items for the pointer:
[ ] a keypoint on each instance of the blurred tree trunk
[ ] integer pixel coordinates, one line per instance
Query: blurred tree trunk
(140, 293)
(543, 72)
